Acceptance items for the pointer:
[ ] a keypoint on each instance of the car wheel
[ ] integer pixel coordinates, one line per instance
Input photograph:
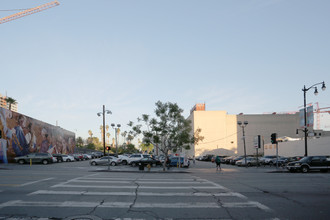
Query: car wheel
(45, 162)
(304, 169)
(113, 163)
(124, 162)
(67, 160)
(93, 163)
(133, 164)
(249, 164)
(21, 162)
(154, 165)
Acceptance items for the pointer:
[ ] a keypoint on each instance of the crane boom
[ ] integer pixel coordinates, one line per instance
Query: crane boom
(29, 11)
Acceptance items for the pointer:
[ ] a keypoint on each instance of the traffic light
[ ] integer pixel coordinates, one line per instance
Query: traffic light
(108, 148)
(273, 138)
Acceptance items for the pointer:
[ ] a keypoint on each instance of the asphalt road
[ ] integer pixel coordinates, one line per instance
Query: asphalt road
(77, 190)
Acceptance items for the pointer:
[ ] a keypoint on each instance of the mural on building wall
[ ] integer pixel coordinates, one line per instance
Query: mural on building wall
(21, 135)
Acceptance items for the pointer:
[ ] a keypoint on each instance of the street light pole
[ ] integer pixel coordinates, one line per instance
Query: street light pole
(99, 114)
(243, 125)
(104, 129)
(305, 110)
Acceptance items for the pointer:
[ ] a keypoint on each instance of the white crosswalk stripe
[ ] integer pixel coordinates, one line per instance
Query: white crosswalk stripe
(187, 193)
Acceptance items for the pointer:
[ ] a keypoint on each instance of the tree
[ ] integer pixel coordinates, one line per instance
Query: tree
(79, 141)
(169, 129)
(10, 101)
(146, 147)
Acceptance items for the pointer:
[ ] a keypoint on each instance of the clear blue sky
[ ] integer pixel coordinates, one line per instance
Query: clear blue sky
(250, 56)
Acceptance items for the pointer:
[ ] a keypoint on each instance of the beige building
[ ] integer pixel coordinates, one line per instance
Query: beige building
(223, 136)
(4, 104)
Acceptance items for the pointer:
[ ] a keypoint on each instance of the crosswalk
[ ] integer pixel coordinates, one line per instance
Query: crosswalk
(139, 197)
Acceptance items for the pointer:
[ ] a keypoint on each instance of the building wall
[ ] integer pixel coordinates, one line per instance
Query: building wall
(265, 125)
(222, 135)
(315, 147)
(219, 132)
(4, 104)
(21, 135)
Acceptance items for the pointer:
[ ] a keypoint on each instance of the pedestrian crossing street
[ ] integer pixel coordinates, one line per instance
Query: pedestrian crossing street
(138, 196)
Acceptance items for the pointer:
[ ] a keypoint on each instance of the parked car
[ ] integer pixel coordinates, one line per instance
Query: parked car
(207, 157)
(146, 161)
(306, 164)
(67, 158)
(136, 157)
(87, 156)
(266, 159)
(58, 157)
(281, 161)
(184, 162)
(233, 160)
(44, 158)
(77, 157)
(113, 161)
(124, 159)
(226, 160)
(97, 154)
(250, 161)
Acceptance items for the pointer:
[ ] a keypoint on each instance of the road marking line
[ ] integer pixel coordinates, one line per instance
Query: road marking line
(137, 179)
(103, 181)
(134, 187)
(72, 204)
(86, 193)
(9, 203)
(29, 183)
(247, 205)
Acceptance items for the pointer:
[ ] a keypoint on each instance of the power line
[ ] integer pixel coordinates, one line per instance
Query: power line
(220, 138)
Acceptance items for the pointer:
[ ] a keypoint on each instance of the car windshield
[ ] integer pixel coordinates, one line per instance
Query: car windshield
(305, 159)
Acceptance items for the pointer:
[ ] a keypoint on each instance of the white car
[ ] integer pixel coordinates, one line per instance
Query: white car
(136, 157)
(124, 159)
(67, 158)
(105, 161)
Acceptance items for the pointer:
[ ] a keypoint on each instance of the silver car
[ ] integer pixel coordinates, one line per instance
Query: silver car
(113, 161)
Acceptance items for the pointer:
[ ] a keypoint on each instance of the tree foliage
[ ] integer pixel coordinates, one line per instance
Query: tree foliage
(79, 141)
(169, 130)
(10, 101)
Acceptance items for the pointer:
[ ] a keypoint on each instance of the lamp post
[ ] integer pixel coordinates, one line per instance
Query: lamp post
(116, 129)
(243, 125)
(99, 114)
(305, 110)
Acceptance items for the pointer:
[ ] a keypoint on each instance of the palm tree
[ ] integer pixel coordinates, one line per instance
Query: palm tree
(90, 133)
(124, 135)
(10, 101)
(108, 135)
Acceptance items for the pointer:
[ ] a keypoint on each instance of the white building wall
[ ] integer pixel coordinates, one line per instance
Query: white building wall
(315, 147)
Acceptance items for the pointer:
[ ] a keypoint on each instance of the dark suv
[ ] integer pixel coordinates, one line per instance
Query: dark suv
(306, 164)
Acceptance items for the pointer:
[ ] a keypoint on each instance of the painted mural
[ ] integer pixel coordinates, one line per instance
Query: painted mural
(21, 135)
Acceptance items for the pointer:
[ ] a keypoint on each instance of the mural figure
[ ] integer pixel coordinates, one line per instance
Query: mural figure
(5, 133)
(19, 143)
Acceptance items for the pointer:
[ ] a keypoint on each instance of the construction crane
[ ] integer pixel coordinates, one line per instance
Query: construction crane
(29, 11)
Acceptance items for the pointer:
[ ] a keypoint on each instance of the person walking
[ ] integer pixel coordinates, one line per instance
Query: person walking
(218, 162)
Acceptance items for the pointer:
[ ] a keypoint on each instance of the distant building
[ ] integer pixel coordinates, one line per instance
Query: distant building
(223, 136)
(4, 104)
